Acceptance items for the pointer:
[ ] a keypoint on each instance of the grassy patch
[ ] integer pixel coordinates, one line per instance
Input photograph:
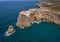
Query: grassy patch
(57, 8)
(32, 14)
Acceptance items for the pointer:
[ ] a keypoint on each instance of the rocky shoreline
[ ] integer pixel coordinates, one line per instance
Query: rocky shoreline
(38, 16)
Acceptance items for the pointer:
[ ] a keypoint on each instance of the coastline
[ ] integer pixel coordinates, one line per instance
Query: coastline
(37, 15)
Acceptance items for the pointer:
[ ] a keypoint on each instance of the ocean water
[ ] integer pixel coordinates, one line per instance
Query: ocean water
(43, 32)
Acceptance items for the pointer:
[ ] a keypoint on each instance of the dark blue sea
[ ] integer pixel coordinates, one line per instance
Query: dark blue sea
(43, 32)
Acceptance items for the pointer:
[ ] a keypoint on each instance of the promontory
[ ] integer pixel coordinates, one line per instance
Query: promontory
(48, 10)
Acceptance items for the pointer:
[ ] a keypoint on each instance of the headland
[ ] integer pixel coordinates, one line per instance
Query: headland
(45, 11)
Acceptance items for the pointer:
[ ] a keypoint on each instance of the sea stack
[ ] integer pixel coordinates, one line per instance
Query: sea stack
(10, 29)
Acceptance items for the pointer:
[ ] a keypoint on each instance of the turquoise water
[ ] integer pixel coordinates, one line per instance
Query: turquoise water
(43, 32)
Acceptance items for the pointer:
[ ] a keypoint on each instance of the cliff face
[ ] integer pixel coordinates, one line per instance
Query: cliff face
(24, 21)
